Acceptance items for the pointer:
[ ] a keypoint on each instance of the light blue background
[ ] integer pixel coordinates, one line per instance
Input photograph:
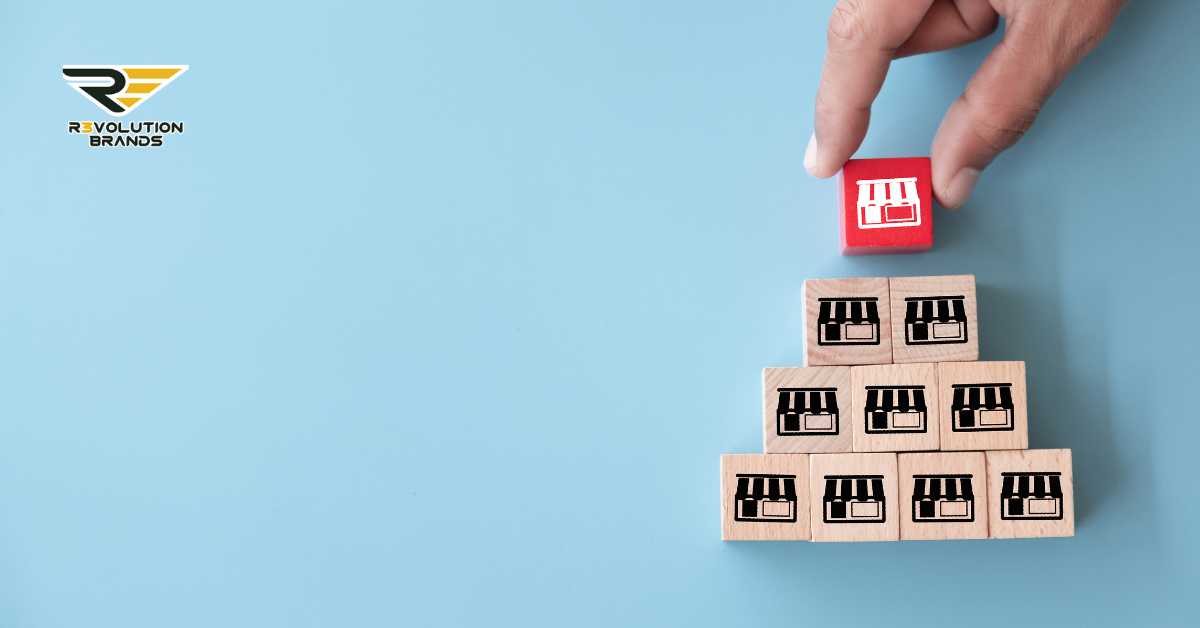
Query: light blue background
(441, 313)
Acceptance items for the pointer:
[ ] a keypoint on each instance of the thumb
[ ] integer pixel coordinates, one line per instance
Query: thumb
(999, 104)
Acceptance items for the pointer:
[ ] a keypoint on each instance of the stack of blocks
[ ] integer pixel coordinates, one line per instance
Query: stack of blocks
(894, 430)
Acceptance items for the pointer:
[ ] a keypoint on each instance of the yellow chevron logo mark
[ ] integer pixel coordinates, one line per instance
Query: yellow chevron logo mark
(119, 89)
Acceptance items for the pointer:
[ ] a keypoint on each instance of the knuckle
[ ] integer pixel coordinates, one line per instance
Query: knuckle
(827, 109)
(848, 24)
(999, 124)
(1066, 36)
(1085, 36)
(984, 26)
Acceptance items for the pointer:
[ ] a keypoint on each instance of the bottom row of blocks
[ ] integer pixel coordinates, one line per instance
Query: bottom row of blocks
(890, 497)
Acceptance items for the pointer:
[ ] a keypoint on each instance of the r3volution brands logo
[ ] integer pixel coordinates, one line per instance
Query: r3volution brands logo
(117, 90)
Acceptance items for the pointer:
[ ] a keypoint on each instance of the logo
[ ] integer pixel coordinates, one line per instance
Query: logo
(117, 90)
(888, 203)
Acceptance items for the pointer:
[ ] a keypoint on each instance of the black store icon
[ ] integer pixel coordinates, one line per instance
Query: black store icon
(943, 498)
(848, 321)
(806, 412)
(982, 408)
(896, 410)
(935, 320)
(854, 499)
(764, 497)
(1033, 495)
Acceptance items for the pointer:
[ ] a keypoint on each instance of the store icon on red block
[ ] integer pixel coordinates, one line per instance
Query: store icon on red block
(886, 206)
(888, 203)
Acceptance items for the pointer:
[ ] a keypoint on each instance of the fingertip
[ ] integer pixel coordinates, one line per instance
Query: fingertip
(953, 191)
(824, 170)
(817, 161)
(810, 155)
(958, 156)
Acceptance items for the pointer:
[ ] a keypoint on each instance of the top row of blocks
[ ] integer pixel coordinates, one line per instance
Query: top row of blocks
(901, 320)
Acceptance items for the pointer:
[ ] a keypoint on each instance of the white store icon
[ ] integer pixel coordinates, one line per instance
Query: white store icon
(887, 203)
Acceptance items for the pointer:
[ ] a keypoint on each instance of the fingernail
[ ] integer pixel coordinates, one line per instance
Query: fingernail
(810, 154)
(960, 188)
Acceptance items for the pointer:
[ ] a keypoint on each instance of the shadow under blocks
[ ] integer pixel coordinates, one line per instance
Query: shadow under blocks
(893, 429)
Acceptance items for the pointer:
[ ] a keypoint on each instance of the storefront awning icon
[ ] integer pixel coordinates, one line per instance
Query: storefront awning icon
(888, 203)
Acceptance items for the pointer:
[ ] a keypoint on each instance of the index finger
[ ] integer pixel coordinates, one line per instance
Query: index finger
(862, 40)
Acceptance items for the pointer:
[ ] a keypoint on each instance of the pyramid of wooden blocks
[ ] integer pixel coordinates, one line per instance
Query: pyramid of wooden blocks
(893, 429)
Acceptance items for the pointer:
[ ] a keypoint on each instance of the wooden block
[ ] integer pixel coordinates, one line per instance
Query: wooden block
(764, 497)
(943, 495)
(1030, 493)
(895, 407)
(854, 497)
(934, 319)
(847, 321)
(886, 206)
(806, 410)
(982, 405)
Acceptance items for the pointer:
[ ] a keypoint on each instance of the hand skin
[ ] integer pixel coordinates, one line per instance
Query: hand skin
(1043, 40)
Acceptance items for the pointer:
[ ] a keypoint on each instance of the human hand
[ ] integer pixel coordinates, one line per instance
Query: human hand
(1042, 41)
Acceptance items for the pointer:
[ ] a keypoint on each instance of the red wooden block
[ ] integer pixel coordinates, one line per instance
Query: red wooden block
(886, 206)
